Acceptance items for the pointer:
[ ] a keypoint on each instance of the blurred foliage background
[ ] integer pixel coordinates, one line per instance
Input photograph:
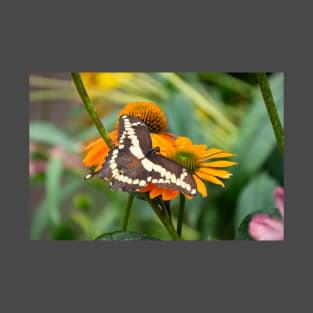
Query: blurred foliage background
(224, 110)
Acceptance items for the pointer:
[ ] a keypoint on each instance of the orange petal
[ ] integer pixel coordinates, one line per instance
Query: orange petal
(164, 141)
(214, 172)
(114, 135)
(218, 164)
(183, 142)
(97, 150)
(96, 154)
(169, 194)
(155, 192)
(200, 186)
(95, 143)
(210, 178)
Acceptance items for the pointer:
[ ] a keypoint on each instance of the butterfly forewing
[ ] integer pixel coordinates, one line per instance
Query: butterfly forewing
(134, 133)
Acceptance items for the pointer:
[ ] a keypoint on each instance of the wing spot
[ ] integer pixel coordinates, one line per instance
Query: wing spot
(173, 178)
(147, 164)
(142, 183)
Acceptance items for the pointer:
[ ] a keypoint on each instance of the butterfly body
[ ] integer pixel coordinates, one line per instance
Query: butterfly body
(134, 163)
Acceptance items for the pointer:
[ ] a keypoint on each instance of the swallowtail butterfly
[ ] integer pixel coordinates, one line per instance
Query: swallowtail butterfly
(133, 164)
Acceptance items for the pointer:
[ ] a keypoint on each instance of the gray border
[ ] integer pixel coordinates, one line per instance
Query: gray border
(47, 276)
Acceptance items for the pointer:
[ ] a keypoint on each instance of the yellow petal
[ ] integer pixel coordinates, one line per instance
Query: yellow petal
(200, 186)
(214, 172)
(218, 164)
(213, 151)
(210, 178)
(222, 155)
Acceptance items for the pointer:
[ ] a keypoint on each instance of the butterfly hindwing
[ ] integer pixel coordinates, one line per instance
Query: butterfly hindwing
(169, 174)
(124, 171)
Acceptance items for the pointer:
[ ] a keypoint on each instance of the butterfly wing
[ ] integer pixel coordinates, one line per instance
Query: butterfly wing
(167, 173)
(124, 171)
(122, 166)
(134, 136)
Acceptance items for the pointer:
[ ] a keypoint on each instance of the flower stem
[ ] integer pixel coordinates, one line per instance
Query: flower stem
(127, 211)
(169, 227)
(182, 201)
(271, 109)
(90, 109)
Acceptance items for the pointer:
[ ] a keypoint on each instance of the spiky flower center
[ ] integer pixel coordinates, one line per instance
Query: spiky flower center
(187, 160)
(150, 113)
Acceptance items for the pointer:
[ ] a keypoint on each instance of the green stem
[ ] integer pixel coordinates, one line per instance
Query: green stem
(90, 109)
(127, 211)
(182, 201)
(271, 109)
(169, 227)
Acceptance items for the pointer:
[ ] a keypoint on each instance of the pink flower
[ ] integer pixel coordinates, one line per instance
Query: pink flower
(265, 227)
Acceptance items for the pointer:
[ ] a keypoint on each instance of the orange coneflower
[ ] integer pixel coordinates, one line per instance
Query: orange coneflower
(195, 158)
(150, 114)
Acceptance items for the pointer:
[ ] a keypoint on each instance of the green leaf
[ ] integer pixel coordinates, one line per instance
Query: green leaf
(181, 119)
(120, 235)
(230, 82)
(259, 193)
(42, 212)
(48, 133)
(243, 230)
(53, 186)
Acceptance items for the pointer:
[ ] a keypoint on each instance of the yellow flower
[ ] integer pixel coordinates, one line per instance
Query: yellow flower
(104, 80)
(195, 158)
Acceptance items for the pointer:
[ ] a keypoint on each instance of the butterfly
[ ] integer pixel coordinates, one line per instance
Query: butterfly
(134, 163)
